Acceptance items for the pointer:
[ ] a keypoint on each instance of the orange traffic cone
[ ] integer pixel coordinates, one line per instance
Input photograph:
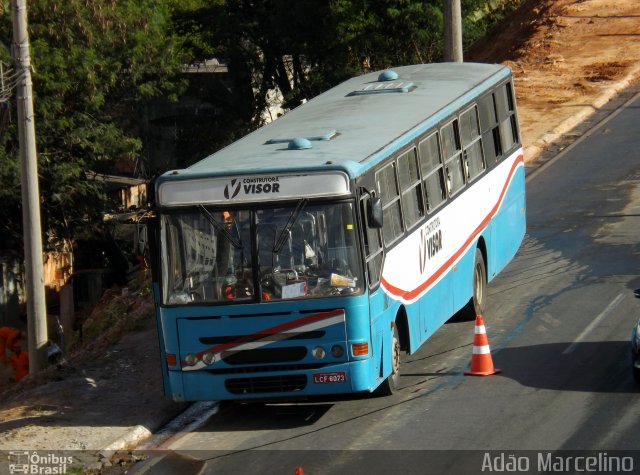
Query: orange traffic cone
(481, 362)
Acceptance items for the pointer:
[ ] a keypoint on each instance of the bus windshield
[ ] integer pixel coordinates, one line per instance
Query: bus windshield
(305, 250)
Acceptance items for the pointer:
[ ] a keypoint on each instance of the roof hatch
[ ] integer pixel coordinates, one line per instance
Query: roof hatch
(387, 82)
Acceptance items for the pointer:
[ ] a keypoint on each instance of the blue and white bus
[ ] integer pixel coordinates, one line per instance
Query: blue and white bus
(306, 257)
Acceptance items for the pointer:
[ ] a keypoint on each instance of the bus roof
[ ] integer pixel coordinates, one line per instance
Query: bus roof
(353, 125)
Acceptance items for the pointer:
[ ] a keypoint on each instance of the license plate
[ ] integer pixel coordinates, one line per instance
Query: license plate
(328, 378)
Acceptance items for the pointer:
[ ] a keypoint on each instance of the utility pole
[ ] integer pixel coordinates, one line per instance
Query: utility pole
(452, 31)
(36, 308)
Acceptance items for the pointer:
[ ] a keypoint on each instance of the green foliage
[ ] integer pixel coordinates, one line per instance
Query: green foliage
(307, 46)
(384, 33)
(481, 16)
(95, 64)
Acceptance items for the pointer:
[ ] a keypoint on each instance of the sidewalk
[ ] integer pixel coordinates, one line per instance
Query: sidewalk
(109, 403)
(113, 399)
(107, 396)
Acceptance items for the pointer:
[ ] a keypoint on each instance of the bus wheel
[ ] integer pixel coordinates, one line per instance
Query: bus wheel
(392, 383)
(477, 302)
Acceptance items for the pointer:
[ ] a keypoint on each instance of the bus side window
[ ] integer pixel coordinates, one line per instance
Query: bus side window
(505, 106)
(511, 103)
(452, 152)
(432, 172)
(387, 184)
(412, 200)
(471, 143)
(492, 144)
(372, 245)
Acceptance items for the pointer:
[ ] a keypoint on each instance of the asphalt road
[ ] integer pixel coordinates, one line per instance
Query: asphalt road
(559, 320)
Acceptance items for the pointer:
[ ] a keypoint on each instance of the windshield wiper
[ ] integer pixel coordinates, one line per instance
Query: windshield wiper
(282, 237)
(235, 242)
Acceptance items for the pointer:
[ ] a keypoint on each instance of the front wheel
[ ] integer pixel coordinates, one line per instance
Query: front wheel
(392, 383)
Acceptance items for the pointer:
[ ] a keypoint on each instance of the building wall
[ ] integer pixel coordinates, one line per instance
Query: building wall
(57, 269)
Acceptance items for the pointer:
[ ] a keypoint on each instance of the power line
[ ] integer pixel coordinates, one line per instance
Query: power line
(9, 80)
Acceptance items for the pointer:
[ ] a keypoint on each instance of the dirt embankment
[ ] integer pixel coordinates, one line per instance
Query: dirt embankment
(565, 54)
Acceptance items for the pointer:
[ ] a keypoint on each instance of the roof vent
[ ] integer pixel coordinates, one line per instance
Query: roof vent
(299, 143)
(388, 75)
(322, 136)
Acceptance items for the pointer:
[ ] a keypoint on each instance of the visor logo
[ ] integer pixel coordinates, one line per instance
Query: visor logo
(430, 243)
(232, 189)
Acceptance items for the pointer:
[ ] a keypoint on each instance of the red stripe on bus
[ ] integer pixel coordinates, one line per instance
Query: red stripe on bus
(411, 294)
(269, 331)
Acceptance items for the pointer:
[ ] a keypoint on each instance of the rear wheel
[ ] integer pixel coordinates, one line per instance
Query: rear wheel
(479, 283)
(392, 383)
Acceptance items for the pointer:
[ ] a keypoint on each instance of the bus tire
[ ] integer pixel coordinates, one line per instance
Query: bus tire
(392, 383)
(476, 305)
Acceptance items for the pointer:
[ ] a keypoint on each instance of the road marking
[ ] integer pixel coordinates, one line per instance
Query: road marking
(593, 324)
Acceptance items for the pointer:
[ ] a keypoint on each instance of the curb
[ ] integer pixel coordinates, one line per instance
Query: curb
(541, 144)
(144, 438)
(188, 421)
(133, 437)
(136, 435)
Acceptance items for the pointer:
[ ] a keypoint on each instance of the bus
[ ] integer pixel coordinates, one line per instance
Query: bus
(305, 258)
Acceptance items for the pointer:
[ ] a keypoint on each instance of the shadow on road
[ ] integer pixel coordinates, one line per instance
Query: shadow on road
(238, 417)
(589, 366)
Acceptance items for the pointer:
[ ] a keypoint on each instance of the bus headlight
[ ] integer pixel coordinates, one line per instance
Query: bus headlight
(209, 358)
(190, 359)
(337, 351)
(318, 353)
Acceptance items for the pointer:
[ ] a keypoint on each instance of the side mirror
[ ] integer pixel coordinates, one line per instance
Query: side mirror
(142, 238)
(374, 213)
(637, 293)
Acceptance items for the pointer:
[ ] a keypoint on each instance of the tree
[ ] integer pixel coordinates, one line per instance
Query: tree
(95, 63)
(302, 48)
(98, 62)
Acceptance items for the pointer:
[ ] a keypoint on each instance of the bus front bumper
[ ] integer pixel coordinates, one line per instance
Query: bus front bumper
(350, 377)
